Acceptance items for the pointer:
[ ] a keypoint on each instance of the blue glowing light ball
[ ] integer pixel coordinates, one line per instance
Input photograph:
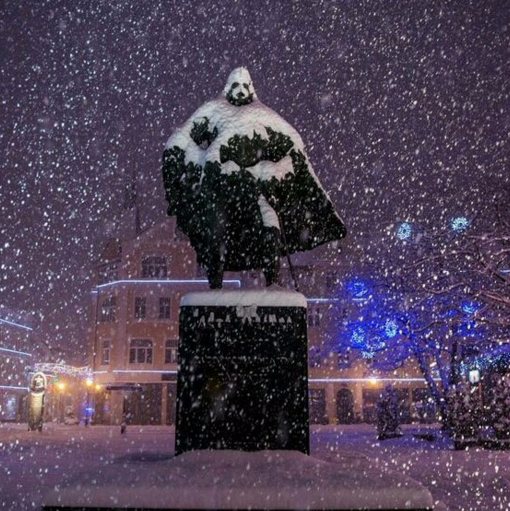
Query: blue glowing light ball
(404, 231)
(358, 337)
(390, 328)
(459, 223)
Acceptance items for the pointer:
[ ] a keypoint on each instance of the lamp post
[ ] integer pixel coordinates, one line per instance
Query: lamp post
(61, 386)
(89, 382)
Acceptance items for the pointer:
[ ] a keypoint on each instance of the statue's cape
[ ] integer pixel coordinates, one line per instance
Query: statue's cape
(233, 172)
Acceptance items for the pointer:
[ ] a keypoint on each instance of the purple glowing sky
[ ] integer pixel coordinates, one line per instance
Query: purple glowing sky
(403, 107)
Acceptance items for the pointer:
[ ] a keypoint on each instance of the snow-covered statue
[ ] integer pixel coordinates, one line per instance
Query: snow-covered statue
(237, 178)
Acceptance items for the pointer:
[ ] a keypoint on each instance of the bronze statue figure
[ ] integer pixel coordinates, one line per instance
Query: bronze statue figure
(237, 178)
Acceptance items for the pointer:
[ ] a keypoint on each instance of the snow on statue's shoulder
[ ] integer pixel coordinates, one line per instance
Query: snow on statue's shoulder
(225, 121)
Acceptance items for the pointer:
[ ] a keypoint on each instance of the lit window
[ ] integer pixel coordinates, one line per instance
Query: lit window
(314, 316)
(154, 267)
(164, 308)
(171, 351)
(140, 307)
(108, 309)
(314, 356)
(105, 352)
(343, 360)
(140, 351)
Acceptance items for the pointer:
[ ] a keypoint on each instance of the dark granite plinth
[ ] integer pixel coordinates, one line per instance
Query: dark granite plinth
(242, 380)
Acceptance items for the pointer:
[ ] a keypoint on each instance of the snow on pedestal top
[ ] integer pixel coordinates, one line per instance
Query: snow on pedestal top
(269, 297)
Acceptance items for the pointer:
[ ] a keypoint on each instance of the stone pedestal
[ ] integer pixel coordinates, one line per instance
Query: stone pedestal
(242, 381)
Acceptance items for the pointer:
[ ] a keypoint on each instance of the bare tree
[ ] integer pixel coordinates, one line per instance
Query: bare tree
(447, 293)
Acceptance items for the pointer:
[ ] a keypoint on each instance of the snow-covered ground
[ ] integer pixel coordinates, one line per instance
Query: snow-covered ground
(32, 464)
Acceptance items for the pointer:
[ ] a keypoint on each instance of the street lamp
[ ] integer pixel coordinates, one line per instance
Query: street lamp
(474, 376)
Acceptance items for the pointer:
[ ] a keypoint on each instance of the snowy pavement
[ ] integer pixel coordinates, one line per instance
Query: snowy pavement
(33, 464)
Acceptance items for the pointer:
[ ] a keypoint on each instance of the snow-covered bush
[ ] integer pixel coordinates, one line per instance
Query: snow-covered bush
(388, 420)
(464, 413)
(501, 407)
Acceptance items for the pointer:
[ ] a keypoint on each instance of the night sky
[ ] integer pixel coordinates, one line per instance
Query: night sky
(403, 107)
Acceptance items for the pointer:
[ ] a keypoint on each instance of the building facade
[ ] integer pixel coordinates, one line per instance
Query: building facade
(134, 331)
(16, 359)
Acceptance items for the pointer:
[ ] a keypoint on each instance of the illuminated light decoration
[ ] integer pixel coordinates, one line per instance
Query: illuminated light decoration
(63, 369)
(486, 362)
(12, 387)
(236, 282)
(466, 328)
(459, 223)
(144, 371)
(322, 300)
(358, 337)
(368, 380)
(404, 231)
(474, 376)
(390, 328)
(16, 352)
(358, 288)
(469, 307)
(377, 344)
(12, 323)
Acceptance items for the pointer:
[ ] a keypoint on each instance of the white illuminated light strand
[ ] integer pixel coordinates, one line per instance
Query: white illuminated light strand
(63, 369)
(311, 380)
(15, 324)
(167, 281)
(372, 380)
(144, 371)
(22, 353)
(11, 387)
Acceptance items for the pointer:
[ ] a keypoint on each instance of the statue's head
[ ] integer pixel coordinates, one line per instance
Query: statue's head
(239, 89)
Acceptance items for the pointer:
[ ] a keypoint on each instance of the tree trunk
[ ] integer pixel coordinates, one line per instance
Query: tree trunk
(436, 393)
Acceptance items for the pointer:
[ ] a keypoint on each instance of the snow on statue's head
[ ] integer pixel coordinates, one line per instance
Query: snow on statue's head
(239, 89)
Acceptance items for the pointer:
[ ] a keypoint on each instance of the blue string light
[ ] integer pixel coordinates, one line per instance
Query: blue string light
(358, 288)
